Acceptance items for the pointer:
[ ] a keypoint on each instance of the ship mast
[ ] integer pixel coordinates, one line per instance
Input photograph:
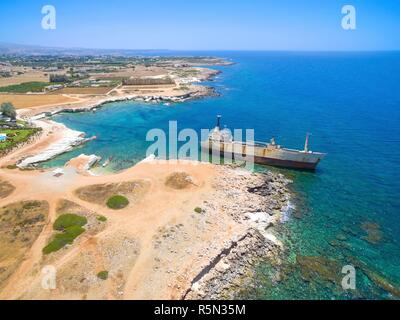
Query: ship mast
(306, 143)
(218, 122)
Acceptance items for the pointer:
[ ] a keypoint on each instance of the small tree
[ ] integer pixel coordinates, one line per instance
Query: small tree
(8, 110)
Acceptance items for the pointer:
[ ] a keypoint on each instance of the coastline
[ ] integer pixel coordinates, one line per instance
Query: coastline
(152, 250)
(225, 274)
(233, 230)
(68, 138)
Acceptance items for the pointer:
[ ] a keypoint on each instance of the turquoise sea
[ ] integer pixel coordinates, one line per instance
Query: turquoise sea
(350, 102)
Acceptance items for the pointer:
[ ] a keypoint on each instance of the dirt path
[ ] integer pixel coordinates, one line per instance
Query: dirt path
(142, 220)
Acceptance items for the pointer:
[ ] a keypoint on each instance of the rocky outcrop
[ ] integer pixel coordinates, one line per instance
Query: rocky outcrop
(222, 277)
(257, 201)
(67, 142)
(83, 162)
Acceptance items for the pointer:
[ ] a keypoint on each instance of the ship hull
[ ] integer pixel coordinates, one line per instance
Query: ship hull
(278, 158)
(291, 164)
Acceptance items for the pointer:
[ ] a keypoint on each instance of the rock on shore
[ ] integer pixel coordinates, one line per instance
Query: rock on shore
(257, 201)
(68, 140)
(83, 162)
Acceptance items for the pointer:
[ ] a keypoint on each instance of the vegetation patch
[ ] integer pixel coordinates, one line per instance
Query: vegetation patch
(101, 218)
(117, 202)
(20, 225)
(6, 189)
(8, 110)
(83, 90)
(16, 137)
(101, 193)
(179, 180)
(198, 210)
(70, 227)
(103, 275)
(33, 86)
(68, 220)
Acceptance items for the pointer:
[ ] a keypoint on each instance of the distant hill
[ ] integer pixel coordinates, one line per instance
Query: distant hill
(18, 49)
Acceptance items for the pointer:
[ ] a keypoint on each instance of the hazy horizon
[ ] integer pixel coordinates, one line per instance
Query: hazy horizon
(29, 45)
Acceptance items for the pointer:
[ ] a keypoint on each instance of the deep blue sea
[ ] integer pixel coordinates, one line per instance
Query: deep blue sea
(350, 102)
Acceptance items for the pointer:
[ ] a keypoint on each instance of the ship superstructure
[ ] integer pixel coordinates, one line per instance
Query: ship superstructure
(264, 153)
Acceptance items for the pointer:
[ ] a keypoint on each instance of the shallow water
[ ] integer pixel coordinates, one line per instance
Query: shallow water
(348, 101)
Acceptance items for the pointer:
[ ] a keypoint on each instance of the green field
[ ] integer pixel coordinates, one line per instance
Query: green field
(25, 87)
(15, 137)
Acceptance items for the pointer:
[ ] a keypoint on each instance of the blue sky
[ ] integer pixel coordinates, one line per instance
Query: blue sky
(204, 24)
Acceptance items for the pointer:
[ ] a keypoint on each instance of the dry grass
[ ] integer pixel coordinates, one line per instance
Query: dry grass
(20, 225)
(116, 254)
(100, 193)
(31, 76)
(179, 180)
(152, 86)
(6, 189)
(93, 225)
(139, 71)
(21, 101)
(89, 90)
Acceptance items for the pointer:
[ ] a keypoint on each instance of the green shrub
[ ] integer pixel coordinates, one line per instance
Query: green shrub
(60, 240)
(101, 218)
(198, 210)
(117, 202)
(68, 220)
(71, 226)
(103, 275)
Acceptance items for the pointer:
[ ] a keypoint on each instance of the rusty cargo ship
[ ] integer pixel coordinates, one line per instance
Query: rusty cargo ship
(272, 154)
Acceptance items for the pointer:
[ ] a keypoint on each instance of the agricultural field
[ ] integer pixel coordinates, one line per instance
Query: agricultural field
(24, 76)
(83, 90)
(25, 87)
(21, 101)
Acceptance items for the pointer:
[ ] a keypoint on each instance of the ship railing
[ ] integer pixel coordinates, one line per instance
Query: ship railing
(252, 143)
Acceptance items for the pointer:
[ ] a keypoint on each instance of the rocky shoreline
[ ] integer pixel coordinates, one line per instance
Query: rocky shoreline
(74, 138)
(260, 201)
(226, 274)
(69, 139)
(151, 98)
